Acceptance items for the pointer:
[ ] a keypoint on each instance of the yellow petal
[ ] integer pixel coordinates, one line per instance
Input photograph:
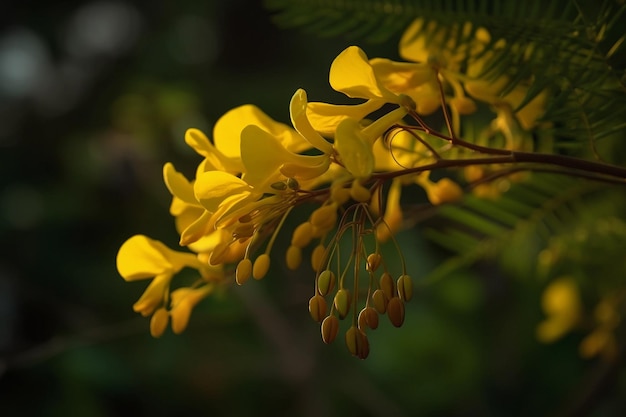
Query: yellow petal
(306, 172)
(209, 242)
(178, 185)
(299, 119)
(186, 215)
(214, 159)
(413, 43)
(325, 117)
(178, 206)
(228, 128)
(561, 298)
(352, 74)
(393, 217)
(401, 77)
(212, 187)
(561, 303)
(196, 230)
(153, 296)
(355, 150)
(263, 155)
(183, 300)
(141, 257)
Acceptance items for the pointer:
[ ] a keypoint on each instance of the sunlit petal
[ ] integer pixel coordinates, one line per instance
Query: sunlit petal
(228, 128)
(401, 77)
(178, 185)
(352, 74)
(355, 150)
(325, 117)
(212, 187)
(197, 229)
(141, 257)
(300, 120)
(214, 159)
(263, 156)
(413, 43)
(153, 296)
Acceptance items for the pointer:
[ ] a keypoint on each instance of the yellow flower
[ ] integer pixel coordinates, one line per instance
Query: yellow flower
(440, 46)
(267, 161)
(192, 220)
(379, 80)
(561, 303)
(183, 302)
(392, 218)
(228, 128)
(143, 258)
(602, 340)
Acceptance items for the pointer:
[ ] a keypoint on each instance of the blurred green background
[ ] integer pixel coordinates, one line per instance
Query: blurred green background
(95, 96)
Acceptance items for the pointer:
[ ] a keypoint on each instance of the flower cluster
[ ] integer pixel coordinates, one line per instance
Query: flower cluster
(563, 306)
(355, 166)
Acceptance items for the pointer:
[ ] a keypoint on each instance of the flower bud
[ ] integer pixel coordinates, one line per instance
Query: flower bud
(386, 284)
(325, 282)
(324, 217)
(243, 271)
(339, 194)
(261, 266)
(293, 257)
(159, 321)
(330, 327)
(317, 257)
(342, 302)
(373, 261)
(405, 287)
(357, 343)
(317, 307)
(180, 316)
(368, 318)
(395, 311)
(379, 299)
(302, 235)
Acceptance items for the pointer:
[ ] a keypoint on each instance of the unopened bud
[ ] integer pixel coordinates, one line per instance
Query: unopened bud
(330, 328)
(159, 322)
(379, 299)
(293, 257)
(325, 282)
(261, 266)
(386, 284)
(317, 257)
(373, 261)
(395, 311)
(302, 235)
(243, 271)
(317, 307)
(368, 318)
(342, 302)
(357, 343)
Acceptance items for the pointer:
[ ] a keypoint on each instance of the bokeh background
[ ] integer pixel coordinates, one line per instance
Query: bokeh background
(95, 96)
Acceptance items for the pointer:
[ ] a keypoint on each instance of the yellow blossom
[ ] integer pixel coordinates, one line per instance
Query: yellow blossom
(183, 302)
(143, 258)
(561, 303)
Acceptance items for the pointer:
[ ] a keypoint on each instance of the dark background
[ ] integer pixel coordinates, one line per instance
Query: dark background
(94, 98)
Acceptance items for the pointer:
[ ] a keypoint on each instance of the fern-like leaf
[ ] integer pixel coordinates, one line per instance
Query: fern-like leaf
(574, 49)
(517, 226)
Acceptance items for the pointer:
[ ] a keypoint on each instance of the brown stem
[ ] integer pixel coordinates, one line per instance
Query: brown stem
(577, 166)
